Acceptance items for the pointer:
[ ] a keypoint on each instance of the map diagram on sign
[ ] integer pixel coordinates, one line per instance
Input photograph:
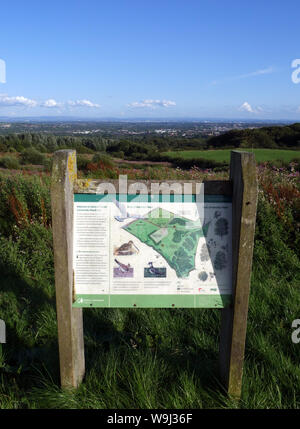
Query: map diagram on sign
(173, 237)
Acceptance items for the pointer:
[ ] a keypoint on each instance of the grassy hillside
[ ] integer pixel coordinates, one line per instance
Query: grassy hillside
(156, 358)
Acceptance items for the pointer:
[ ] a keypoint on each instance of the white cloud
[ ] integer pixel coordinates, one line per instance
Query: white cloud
(256, 73)
(82, 103)
(5, 100)
(51, 103)
(246, 107)
(267, 70)
(152, 104)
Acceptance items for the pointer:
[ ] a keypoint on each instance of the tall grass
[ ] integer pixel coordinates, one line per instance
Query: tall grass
(145, 358)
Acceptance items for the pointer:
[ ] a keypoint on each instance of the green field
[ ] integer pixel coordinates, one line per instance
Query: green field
(261, 155)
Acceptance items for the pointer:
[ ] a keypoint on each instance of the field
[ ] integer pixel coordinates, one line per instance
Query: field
(261, 155)
(147, 358)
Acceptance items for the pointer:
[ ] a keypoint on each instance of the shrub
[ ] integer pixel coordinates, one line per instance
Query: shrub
(81, 162)
(24, 201)
(41, 148)
(9, 162)
(32, 156)
(83, 149)
(104, 159)
(119, 154)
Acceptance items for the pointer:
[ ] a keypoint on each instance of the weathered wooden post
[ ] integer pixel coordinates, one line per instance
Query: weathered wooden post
(234, 318)
(70, 324)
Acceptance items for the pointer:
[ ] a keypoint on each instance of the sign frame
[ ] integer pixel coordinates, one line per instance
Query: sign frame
(242, 187)
(188, 291)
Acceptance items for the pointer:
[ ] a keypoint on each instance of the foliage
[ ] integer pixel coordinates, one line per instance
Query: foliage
(147, 358)
(10, 162)
(32, 156)
(134, 150)
(24, 201)
(264, 137)
(50, 143)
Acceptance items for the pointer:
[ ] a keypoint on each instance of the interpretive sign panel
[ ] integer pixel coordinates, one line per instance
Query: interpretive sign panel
(152, 251)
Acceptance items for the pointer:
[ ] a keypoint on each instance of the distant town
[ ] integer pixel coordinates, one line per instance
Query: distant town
(129, 128)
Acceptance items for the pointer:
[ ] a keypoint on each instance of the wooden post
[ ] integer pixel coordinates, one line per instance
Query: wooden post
(70, 324)
(234, 318)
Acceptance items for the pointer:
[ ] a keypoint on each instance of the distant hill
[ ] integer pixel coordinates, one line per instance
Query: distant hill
(265, 137)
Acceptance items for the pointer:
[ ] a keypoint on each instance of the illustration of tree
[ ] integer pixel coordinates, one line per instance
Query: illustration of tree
(188, 244)
(178, 236)
(221, 227)
(182, 261)
(220, 261)
(203, 276)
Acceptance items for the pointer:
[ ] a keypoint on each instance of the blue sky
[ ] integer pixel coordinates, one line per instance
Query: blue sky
(167, 58)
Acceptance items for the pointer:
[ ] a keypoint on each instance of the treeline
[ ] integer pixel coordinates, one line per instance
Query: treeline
(265, 137)
(48, 143)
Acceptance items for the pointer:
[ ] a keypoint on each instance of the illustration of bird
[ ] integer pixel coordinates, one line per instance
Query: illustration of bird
(126, 249)
(123, 267)
(154, 271)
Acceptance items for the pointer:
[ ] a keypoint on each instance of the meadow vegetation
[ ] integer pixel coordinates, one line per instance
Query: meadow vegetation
(147, 358)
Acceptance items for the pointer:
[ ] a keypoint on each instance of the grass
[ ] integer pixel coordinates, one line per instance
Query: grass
(143, 358)
(261, 155)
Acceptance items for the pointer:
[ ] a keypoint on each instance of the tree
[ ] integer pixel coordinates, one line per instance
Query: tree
(203, 276)
(221, 227)
(220, 261)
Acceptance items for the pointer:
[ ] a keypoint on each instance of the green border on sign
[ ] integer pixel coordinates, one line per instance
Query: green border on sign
(146, 198)
(152, 301)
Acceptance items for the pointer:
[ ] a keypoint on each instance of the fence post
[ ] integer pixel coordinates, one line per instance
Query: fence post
(70, 323)
(234, 318)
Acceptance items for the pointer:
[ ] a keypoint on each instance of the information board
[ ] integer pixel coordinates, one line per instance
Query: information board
(120, 243)
(151, 251)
